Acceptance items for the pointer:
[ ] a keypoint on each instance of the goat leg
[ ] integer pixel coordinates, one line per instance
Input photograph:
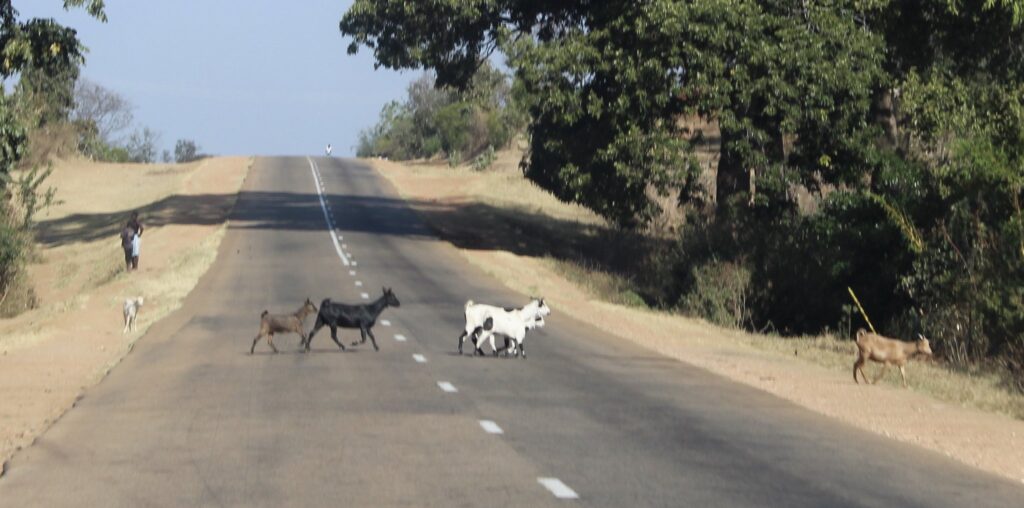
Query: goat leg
(904, 375)
(494, 349)
(859, 364)
(885, 367)
(316, 328)
(270, 340)
(462, 340)
(254, 341)
(373, 340)
(334, 336)
(478, 345)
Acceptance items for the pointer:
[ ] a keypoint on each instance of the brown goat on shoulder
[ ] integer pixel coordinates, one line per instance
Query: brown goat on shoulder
(886, 351)
(282, 323)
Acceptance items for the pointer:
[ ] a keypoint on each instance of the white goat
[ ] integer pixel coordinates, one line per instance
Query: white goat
(483, 322)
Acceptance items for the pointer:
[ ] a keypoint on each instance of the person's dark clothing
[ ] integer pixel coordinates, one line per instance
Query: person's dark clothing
(136, 224)
(132, 228)
(127, 233)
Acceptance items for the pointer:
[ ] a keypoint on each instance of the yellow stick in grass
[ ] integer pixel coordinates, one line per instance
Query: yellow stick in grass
(859, 306)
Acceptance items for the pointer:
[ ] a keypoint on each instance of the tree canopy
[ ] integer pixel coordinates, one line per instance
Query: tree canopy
(903, 121)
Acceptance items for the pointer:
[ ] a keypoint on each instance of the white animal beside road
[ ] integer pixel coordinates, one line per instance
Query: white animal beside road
(131, 312)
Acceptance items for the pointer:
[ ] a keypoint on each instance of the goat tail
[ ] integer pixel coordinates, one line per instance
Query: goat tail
(265, 312)
(469, 303)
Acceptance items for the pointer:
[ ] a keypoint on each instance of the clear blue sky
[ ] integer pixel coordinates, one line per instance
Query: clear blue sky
(255, 77)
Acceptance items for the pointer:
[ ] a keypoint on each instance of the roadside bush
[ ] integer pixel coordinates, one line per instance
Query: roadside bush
(718, 292)
(485, 159)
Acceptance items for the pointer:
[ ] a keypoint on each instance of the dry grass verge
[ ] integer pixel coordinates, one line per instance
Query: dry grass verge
(967, 416)
(51, 354)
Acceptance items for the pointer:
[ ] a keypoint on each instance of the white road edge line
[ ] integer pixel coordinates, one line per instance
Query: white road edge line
(559, 489)
(447, 387)
(491, 427)
(419, 358)
(327, 217)
(399, 337)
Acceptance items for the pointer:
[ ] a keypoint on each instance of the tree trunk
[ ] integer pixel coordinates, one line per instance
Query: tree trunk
(732, 177)
(885, 115)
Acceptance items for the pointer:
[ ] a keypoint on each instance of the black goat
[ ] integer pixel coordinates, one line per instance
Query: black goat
(362, 316)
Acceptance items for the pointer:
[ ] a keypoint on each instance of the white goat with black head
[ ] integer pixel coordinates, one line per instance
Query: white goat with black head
(483, 322)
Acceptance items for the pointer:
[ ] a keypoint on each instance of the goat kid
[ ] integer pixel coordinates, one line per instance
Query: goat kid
(131, 312)
(483, 322)
(362, 316)
(887, 352)
(282, 323)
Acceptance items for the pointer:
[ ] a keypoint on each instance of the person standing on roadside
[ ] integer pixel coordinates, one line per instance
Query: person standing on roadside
(131, 241)
(127, 235)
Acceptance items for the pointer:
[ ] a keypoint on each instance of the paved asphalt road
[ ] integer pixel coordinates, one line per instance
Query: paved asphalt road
(190, 419)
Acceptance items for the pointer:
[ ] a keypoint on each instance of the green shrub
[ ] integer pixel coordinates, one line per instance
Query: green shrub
(485, 159)
(718, 293)
(432, 120)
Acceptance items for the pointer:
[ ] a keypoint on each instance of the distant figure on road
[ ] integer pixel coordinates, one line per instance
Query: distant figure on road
(131, 241)
(328, 149)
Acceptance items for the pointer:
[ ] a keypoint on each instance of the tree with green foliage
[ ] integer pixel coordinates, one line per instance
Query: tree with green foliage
(46, 56)
(186, 150)
(902, 123)
(457, 123)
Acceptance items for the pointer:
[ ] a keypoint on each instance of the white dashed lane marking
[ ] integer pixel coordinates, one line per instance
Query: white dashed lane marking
(327, 215)
(354, 263)
(491, 427)
(352, 273)
(359, 283)
(400, 338)
(419, 358)
(447, 387)
(559, 489)
(364, 296)
(385, 322)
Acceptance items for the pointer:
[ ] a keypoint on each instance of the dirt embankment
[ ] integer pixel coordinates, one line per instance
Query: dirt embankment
(50, 355)
(465, 206)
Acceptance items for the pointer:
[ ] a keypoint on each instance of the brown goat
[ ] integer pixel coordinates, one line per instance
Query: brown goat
(887, 352)
(282, 323)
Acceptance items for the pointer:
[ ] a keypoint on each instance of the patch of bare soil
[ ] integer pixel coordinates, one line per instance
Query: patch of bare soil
(51, 354)
(988, 441)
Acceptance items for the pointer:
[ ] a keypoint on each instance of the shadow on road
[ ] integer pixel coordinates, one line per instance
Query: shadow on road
(472, 225)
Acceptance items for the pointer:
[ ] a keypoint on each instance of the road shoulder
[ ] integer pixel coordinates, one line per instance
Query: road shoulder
(987, 441)
(52, 354)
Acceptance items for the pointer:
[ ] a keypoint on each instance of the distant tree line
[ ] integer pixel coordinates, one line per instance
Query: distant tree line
(902, 123)
(445, 121)
(51, 111)
(103, 121)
